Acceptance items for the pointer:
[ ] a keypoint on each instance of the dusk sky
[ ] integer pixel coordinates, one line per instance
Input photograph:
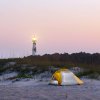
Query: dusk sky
(60, 26)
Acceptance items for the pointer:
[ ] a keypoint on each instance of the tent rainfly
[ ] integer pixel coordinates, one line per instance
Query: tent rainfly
(65, 77)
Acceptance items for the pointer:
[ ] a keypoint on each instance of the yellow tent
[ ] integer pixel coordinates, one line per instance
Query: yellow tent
(65, 77)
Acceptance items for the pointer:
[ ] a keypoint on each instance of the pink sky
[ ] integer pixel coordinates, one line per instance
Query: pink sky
(60, 26)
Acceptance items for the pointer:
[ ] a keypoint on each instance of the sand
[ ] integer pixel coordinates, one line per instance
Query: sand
(40, 90)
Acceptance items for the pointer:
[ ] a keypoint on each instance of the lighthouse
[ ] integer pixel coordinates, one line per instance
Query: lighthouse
(34, 46)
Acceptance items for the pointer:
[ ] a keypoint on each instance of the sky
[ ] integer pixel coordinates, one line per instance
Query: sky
(60, 26)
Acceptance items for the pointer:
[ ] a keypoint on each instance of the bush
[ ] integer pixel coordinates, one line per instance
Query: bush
(24, 76)
(90, 74)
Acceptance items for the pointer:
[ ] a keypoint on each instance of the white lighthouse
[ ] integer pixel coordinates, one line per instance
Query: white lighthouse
(34, 46)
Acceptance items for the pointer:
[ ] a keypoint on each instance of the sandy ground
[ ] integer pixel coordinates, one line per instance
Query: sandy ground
(39, 90)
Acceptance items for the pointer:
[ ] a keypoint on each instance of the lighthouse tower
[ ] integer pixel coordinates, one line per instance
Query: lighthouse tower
(34, 46)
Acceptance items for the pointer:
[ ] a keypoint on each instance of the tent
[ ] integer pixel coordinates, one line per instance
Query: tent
(65, 77)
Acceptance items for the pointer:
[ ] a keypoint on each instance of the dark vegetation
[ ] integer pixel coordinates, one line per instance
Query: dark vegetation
(32, 65)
